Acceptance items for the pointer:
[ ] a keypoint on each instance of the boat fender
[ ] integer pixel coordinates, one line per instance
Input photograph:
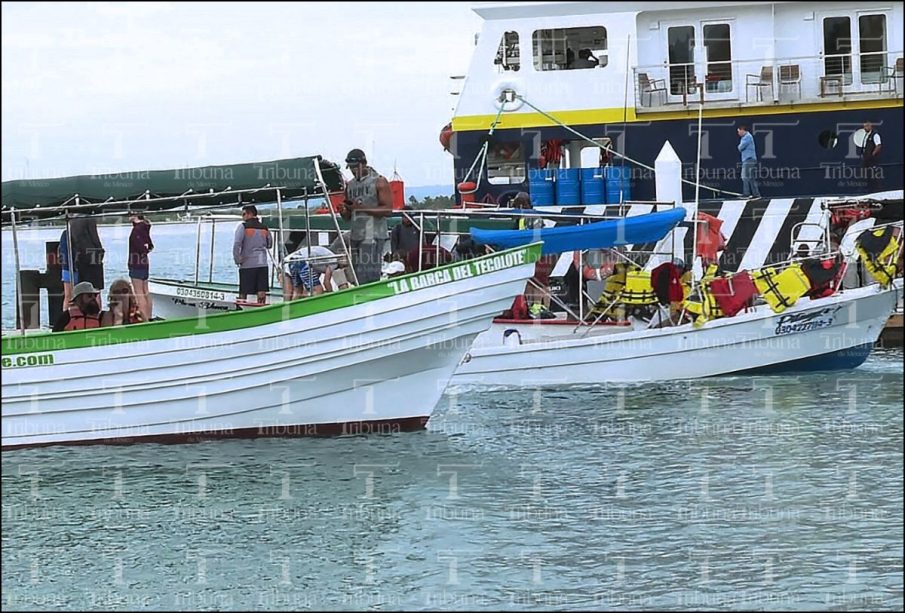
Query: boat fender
(504, 94)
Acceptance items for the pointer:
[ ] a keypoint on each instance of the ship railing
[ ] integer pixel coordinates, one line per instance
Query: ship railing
(766, 82)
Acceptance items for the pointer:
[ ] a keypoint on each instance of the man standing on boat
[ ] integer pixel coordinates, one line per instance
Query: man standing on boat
(250, 246)
(749, 163)
(367, 205)
(870, 154)
(88, 252)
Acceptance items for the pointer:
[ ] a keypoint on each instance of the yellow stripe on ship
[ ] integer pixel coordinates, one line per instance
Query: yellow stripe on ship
(615, 115)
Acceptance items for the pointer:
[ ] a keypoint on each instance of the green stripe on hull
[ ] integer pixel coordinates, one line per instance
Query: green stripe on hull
(258, 316)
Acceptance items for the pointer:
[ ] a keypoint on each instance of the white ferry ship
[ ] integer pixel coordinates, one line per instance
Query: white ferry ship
(803, 76)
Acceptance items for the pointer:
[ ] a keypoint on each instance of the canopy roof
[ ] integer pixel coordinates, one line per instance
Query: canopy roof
(599, 235)
(166, 189)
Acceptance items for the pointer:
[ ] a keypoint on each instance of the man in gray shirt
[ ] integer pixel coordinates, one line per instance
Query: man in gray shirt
(250, 246)
(367, 205)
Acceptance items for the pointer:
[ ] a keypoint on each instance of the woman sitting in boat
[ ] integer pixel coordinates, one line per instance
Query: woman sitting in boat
(123, 306)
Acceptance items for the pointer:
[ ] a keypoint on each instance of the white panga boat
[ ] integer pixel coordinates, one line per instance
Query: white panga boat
(837, 332)
(828, 333)
(374, 358)
(371, 358)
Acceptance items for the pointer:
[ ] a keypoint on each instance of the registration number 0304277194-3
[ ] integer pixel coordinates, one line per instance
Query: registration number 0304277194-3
(805, 322)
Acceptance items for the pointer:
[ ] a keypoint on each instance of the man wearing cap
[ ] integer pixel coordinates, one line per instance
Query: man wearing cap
(367, 205)
(84, 310)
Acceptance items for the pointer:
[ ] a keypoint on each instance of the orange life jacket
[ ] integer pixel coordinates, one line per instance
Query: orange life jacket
(81, 321)
(710, 240)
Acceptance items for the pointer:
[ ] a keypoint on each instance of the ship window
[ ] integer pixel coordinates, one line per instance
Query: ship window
(837, 47)
(570, 48)
(872, 31)
(719, 58)
(681, 60)
(505, 163)
(507, 56)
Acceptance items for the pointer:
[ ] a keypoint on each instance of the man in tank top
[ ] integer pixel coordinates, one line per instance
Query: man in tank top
(367, 205)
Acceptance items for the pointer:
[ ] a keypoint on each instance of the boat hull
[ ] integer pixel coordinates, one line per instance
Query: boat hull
(381, 362)
(825, 334)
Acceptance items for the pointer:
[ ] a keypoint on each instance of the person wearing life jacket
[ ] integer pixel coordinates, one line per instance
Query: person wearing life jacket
(251, 244)
(84, 310)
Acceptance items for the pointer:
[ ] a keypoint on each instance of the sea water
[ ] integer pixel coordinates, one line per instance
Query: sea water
(735, 493)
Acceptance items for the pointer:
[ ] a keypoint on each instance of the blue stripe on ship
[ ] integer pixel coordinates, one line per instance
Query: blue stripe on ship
(843, 359)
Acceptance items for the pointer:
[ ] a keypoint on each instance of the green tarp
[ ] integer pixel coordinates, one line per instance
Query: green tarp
(297, 176)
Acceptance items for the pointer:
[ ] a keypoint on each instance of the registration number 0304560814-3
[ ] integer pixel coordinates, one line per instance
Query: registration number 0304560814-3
(201, 294)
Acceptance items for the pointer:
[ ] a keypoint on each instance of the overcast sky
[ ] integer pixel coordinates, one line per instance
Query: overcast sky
(92, 88)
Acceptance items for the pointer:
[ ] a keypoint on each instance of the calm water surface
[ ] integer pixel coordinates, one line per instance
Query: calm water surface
(736, 493)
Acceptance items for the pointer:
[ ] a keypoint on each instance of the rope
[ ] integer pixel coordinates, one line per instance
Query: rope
(482, 154)
(624, 157)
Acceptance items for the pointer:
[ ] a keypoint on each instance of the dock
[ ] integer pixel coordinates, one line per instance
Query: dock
(892, 333)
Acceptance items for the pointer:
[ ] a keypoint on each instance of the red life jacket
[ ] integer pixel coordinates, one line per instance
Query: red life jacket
(710, 240)
(667, 283)
(81, 321)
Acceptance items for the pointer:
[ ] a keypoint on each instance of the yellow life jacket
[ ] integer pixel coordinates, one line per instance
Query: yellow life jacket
(703, 306)
(781, 289)
(638, 289)
(612, 290)
(881, 265)
(686, 283)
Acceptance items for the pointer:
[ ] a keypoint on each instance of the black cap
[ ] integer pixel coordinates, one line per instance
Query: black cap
(356, 156)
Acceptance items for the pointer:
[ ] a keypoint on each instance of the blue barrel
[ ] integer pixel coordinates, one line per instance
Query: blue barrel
(568, 186)
(540, 186)
(618, 179)
(593, 186)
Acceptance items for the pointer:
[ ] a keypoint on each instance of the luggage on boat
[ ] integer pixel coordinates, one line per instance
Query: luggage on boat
(824, 275)
(879, 250)
(781, 289)
(734, 293)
